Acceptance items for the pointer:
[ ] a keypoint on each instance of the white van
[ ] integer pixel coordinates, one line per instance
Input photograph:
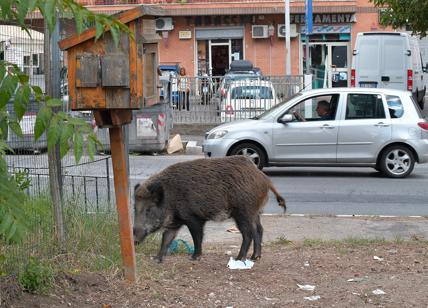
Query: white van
(389, 60)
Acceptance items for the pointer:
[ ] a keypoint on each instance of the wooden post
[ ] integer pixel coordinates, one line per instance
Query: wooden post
(121, 187)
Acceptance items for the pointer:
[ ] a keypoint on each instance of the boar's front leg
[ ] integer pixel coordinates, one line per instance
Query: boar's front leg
(196, 228)
(167, 237)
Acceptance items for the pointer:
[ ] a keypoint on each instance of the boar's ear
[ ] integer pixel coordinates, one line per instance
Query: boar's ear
(156, 190)
(136, 187)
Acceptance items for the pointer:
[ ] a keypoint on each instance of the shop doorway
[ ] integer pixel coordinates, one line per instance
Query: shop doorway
(329, 63)
(219, 57)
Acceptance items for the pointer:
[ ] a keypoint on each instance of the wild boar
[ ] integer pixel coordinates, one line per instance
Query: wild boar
(194, 192)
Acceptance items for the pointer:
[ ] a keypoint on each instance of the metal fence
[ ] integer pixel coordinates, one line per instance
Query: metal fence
(206, 99)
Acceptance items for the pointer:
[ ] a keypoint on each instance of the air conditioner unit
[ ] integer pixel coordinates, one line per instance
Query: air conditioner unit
(164, 24)
(293, 30)
(260, 31)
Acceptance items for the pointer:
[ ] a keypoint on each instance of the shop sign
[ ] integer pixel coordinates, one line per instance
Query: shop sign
(185, 35)
(335, 18)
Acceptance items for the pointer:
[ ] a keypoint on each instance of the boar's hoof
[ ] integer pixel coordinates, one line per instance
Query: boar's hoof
(158, 259)
(255, 258)
(195, 257)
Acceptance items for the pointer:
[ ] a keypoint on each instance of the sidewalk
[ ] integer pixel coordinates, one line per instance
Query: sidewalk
(299, 228)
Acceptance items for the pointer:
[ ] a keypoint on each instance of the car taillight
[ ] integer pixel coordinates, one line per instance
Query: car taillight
(353, 78)
(423, 125)
(229, 110)
(409, 80)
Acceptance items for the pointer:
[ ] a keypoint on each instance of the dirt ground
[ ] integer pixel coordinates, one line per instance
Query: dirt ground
(344, 275)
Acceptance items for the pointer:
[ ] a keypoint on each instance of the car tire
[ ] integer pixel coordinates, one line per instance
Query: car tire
(396, 161)
(252, 151)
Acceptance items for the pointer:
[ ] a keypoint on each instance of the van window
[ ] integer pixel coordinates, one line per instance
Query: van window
(395, 106)
(364, 106)
(393, 54)
(368, 50)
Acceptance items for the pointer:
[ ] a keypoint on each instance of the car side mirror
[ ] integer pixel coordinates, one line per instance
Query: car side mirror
(286, 118)
(425, 68)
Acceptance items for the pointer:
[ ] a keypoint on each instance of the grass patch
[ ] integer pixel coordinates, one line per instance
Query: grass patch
(351, 241)
(281, 241)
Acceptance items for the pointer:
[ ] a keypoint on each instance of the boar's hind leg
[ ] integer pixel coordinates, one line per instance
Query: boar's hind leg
(196, 228)
(167, 237)
(248, 231)
(258, 240)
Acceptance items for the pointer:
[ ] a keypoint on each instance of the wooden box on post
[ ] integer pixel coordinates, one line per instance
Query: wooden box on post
(111, 80)
(103, 76)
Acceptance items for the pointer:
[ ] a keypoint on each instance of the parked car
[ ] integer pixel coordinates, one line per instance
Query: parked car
(26, 142)
(379, 128)
(389, 60)
(247, 98)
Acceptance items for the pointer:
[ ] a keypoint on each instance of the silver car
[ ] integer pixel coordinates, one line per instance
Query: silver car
(379, 128)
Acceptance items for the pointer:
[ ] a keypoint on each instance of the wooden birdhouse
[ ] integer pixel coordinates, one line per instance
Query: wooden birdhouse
(104, 77)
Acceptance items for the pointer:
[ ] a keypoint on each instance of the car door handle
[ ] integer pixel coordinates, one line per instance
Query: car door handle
(381, 124)
(327, 126)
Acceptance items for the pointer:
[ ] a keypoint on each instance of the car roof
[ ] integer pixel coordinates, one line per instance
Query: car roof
(355, 90)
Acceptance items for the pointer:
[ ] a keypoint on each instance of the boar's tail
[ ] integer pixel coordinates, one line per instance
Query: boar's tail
(279, 198)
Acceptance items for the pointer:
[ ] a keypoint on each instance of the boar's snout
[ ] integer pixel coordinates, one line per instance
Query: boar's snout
(139, 235)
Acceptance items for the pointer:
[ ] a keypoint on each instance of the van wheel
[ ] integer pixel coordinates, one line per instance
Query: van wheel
(252, 151)
(396, 161)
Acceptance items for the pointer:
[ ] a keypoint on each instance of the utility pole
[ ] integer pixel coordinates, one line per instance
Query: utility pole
(308, 17)
(287, 39)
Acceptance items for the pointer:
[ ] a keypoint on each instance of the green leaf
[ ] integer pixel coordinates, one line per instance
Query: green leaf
(78, 16)
(16, 128)
(54, 102)
(91, 148)
(22, 9)
(115, 35)
(54, 133)
(5, 223)
(5, 6)
(22, 99)
(38, 92)
(66, 135)
(23, 78)
(2, 70)
(78, 146)
(48, 11)
(42, 120)
(7, 88)
(99, 29)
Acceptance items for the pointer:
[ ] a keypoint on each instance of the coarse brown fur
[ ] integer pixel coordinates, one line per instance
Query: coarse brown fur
(191, 193)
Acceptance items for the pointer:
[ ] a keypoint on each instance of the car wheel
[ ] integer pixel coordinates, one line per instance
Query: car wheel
(396, 161)
(252, 151)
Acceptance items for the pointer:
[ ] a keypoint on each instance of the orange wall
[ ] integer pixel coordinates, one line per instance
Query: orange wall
(267, 54)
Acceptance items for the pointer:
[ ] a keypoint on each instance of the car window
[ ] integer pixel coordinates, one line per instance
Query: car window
(364, 106)
(317, 108)
(395, 106)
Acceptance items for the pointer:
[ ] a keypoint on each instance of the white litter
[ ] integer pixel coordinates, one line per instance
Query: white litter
(377, 258)
(237, 264)
(378, 292)
(306, 287)
(358, 279)
(306, 263)
(312, 298)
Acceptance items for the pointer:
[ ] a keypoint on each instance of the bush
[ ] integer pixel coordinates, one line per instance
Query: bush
(37, 276)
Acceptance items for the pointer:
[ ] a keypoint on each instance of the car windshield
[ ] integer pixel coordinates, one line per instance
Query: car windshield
(267, 113)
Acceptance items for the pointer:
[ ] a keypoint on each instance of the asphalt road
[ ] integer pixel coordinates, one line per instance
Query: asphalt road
(350, 191)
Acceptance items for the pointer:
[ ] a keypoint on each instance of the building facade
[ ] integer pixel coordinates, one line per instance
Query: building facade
(204, 36)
